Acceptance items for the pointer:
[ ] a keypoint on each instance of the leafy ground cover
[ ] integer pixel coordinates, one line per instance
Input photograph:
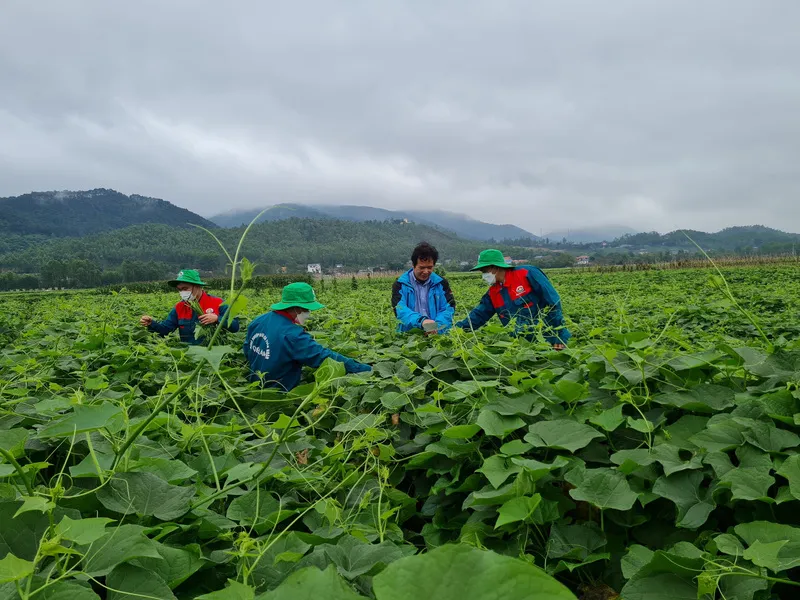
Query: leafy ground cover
(656, 458)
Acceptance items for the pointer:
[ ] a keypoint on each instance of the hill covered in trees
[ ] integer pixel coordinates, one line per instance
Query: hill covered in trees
(75, 214)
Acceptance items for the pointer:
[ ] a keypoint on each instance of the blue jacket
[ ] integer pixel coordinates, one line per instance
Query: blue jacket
(277, 348)
(525, 295)
(184, 319)
(441, 303)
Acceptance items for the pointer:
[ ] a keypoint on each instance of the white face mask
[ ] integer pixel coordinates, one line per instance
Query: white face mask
(186, 295)
(302, 317)
(489, 278)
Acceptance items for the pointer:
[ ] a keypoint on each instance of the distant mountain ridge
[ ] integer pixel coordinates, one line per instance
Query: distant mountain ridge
(457, 223)
(79, 213)
(583, 235)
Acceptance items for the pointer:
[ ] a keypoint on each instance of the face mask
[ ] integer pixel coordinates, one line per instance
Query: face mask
(302, 317)
(186, 295)
(489, 278)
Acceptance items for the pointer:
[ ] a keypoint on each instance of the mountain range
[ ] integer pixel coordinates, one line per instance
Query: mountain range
(113, 237)
(459, 224)
(587, 235)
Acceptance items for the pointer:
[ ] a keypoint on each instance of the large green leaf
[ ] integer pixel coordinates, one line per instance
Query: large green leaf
(748, 484)
(685, 490)
(119, 545)
(706, 398)
(765, 537)
(66, 590)
(535, 469)
(278, 561)
(609, 419)
(84, 418)
(126, 582)
(14, 569)
(145, 494)
(790, 469)
(233, 591)
(528, 405)
(310, 584)
(605, 488)
(257, 508)
(360, 423)
(82, 531)
(21, 535)
(769, 438)
(176, 564)
(462, 572)
(497, 469)
(563, 434)
(663, 586)
(670, 459)
(353, 557)
(720, 436)
(517, 509)
(13, 440)
(574, 542)
(498, 425)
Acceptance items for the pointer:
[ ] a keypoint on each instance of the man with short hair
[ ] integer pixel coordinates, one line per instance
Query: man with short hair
(277, 347)
(523, 293)
(196, 306)
(421, 299)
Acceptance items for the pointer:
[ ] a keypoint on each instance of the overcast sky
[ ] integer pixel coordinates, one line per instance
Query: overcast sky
(658, 114)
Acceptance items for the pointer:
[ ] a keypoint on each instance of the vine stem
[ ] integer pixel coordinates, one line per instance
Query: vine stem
(13, 461)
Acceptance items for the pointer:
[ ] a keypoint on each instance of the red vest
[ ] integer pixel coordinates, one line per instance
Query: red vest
(517, 285)
(209, 304)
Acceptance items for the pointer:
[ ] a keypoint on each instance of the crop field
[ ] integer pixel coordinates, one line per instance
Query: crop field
(656, 458)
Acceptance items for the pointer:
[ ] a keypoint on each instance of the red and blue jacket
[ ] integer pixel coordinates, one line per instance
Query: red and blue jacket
(527, 296)
(184, 319)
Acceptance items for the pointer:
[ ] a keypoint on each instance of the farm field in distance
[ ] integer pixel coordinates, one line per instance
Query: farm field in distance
(657, 457)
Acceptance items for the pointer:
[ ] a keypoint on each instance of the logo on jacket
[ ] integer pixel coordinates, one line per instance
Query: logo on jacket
(520, 289)
(209, 311)
(262, 352)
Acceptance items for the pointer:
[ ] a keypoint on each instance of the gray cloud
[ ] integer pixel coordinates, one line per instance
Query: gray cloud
(548, 114)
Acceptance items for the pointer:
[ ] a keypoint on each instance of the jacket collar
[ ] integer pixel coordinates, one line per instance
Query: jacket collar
(286, 315)
(408, 278)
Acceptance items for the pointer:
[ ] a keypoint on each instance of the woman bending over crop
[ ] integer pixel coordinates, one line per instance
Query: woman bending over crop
(523, 293)
(277, 347)
(195, 306)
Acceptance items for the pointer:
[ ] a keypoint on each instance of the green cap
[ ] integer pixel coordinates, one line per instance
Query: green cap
(187, 276)
(490, 258)
(298, 294)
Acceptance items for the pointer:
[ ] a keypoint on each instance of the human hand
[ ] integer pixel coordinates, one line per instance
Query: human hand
(559, 346)
(429, 327)
(208, 318)
(146, 321)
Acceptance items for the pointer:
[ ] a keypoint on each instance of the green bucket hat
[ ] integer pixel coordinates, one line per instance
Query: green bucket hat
(490, 258)
(187, 276)
(298, 294)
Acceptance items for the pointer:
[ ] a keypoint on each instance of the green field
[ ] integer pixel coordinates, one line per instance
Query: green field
(656, 458)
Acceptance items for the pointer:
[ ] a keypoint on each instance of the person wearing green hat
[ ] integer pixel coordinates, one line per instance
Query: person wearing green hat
(523, 293)
(277, 346)
(196, 306)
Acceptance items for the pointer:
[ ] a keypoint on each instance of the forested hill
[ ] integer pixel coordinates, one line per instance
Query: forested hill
(292, 243)
(731, 239)
(75, 214)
